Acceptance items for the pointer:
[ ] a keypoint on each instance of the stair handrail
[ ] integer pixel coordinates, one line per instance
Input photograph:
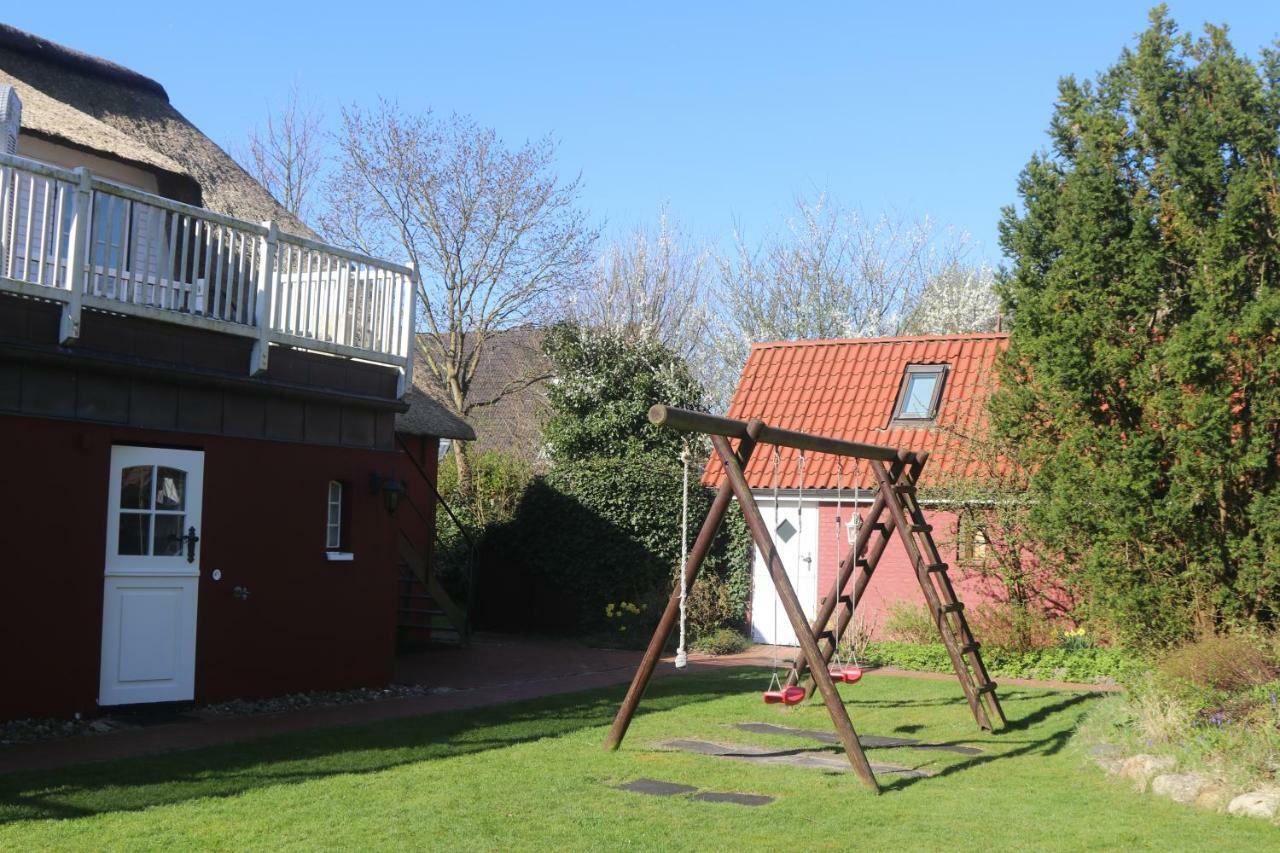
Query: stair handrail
(471, 543)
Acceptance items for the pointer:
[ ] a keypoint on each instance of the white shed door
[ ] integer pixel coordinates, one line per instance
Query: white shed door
(152, 575)
(795, 535)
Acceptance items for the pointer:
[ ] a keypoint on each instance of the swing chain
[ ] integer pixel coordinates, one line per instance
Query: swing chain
(682, 654)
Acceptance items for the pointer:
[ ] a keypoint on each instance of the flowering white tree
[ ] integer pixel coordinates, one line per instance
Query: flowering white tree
(832, 273)
(958, 299)
(651, 285)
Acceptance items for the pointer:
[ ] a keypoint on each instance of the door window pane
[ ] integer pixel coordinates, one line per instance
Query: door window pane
(135, 528)
(168, 539)
(135, 489)
(171, 488)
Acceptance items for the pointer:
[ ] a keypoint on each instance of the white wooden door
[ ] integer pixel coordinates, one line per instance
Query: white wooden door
(795, 535)
(152, 575)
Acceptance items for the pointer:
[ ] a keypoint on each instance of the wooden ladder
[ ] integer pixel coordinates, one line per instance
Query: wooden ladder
(897, 495)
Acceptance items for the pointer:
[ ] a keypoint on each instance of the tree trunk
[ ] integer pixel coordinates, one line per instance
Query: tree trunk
(462, 458)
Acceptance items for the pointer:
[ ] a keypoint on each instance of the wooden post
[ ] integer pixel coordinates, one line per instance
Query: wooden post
(77, 256)
(795, 612)
(264, 299)
(701, 546)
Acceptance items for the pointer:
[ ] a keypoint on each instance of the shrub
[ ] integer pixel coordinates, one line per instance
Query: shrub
(722, 641)
(1227, 663)
(598, 531)
(910, 623)
(1011, 626)
(1085, 665)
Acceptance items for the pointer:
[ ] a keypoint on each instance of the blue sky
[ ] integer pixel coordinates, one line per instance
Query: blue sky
(724, 111)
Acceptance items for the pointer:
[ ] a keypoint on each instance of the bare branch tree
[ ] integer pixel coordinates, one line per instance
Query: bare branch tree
(957, 299)
(651, 284)
(286, 157)
(496, 235)
(830, 274)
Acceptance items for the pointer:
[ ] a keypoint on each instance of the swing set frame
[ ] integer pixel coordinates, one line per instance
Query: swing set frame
(895, 508)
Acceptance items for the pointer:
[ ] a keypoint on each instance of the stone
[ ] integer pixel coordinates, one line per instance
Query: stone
(1140, 768)
(733, 797)
(1214, 796)
(656, 787)
(1179, 787)
(1263, 804)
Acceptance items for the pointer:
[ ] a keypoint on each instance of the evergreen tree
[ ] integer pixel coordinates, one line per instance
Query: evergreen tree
(1142, 383)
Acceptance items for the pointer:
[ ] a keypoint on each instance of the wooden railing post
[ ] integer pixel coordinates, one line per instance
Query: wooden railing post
(410, 339)
(77, 256)
(262, 306)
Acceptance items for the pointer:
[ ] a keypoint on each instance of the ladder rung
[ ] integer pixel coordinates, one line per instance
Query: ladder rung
(863, 564)
(969, 648)
(936, 567)
(904, 488)
(989, 687)
(846, 600)
(952, 607)
(880, 526)
(826, 635)
(922, 528)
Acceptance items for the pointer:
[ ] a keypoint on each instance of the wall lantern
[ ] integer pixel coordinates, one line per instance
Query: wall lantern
(851, 527)
(391, 488)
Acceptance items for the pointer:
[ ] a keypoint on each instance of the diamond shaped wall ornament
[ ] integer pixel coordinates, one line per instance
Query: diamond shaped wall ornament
(786, 530)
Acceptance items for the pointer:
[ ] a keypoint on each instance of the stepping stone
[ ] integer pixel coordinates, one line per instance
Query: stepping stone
(816, 759)
(656, 788)
(731, 797)
(867, 741)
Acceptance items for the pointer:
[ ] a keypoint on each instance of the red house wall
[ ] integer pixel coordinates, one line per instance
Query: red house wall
(307, 623)
(894, 579)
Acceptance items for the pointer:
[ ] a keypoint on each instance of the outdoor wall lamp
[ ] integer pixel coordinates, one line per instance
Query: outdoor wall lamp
(391, 488)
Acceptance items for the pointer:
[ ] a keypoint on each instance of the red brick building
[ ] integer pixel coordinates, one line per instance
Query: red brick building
(922, 393)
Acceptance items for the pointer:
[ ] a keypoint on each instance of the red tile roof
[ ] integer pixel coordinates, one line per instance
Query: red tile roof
(847, 389)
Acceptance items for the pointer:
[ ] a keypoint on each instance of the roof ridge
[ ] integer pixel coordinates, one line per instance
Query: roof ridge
(31, 44)
(889, 339)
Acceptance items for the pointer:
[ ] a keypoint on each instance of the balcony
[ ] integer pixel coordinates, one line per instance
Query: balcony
(89, 243)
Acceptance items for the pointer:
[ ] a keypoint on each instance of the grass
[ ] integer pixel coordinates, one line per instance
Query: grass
(533, 775)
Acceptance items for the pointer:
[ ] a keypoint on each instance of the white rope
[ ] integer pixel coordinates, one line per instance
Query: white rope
(682, 655)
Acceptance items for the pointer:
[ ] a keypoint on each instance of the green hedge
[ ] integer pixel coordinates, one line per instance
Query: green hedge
(1083, 665)
(597, 532)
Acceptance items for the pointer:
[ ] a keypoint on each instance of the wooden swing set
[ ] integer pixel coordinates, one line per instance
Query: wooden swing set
(895, 507)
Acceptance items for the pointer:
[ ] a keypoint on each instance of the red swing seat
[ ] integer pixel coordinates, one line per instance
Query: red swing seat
(851, 674)
(836, 673)
(792, 695)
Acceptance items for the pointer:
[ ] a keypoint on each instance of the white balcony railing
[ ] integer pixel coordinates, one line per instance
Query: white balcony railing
(85, 241)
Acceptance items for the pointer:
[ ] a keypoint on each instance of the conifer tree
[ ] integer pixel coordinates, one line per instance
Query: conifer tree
(1142, 383)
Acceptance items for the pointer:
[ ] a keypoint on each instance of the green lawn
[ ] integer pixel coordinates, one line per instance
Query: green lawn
(533, 775)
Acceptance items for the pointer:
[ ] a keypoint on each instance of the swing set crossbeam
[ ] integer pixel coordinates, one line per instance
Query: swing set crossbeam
(895, 508)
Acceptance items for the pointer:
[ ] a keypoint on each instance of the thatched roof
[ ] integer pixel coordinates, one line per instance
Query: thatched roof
(97, 105)
(510, 359)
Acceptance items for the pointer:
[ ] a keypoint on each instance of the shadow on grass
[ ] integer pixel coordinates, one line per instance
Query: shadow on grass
(223, 771)
(1046, 746)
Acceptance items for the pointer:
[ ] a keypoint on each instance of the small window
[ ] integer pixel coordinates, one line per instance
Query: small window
(973, 545)
(920, 394)
(333, 527)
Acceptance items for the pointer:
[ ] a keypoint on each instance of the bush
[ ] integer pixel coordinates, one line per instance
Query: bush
(722, 641)
(1083, 665)
(1224, 663)
(910, 623)
(600, 531)
(1012, 626)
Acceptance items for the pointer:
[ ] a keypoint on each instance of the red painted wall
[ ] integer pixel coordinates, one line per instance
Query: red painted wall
(307, 624)
(894, 579)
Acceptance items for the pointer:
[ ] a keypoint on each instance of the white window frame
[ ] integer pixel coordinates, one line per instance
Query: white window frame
(332, 528)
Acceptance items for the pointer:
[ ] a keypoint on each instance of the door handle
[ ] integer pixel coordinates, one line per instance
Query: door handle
(192, 539)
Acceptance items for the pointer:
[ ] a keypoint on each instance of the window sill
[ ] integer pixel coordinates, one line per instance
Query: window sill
(339, 556)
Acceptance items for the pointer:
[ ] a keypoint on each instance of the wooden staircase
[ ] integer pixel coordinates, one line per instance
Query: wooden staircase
(896, 506)
(426, 614)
